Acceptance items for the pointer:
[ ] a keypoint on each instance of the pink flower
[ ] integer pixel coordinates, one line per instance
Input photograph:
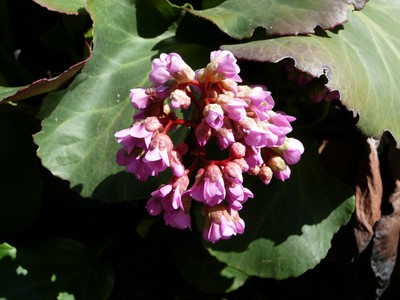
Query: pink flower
(157, 156)
(279, 167)
(222, 66)
(203, 133)
(143, 130)
(233, 107)
(260, 100)
(170, 66)
(177, 218)
(253, 157)
(153, 206)
(265, 174)
(236, 194)
(237, 150)
(257, 134)
(213, 115)
(221, 223)
(232, 172)
(136, 166)
(292, 150)
(140, 97)
(176, 163)
(179, 99)
(225, 134)
(126, 140)
(209, 186)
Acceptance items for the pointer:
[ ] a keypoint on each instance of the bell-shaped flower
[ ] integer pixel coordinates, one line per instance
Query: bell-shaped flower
(257, 134)
(179, 99)
(170, 66)
(140, 98)
(279, 167)
(157, 156)
(291, 150)
(203, 133)
(225, 134)
(259, 99)
(222, 66)
(221, 223)
(209, 186)
(236, 195)
(213, 115)
(177, 218)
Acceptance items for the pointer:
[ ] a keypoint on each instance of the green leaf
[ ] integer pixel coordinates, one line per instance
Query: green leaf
(52, 267)
(201, 269)
(68, 7)
(239, 18)
(77, 139)
(20, 181)
(360, 61)
(65, 296)
(7, 250)
(40, 86)
(289, 225)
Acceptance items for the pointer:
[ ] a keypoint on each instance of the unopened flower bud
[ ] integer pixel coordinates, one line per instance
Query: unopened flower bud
(238, 150)
(179, 99)
(276, 163)
(265, 174)
(214, 115)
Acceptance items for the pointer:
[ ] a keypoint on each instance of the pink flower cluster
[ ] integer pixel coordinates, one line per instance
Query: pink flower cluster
(238, 118)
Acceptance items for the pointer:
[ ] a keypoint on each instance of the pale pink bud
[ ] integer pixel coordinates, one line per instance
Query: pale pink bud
(214, 115)
(232, 172)
(176, 163)
(179, 99)
(222, 66)
(238, 150)
(265, 174)
(291, 150)
(203, 133)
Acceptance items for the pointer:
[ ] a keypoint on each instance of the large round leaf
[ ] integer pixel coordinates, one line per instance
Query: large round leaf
(239, 18)
(289, 225)
(361, 61)
(77, 139)
(68, 7)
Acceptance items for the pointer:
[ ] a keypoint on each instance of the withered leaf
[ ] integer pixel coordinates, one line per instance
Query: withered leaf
(368, 194)
(387, 230)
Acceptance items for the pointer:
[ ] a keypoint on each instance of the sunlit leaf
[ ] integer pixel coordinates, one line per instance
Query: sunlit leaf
(7, 250)
(239, 18)
(360, 61)
(77, 140)
(68, 7)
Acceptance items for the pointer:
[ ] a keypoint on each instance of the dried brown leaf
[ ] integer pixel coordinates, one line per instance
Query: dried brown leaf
(387, 230)
(368, 194)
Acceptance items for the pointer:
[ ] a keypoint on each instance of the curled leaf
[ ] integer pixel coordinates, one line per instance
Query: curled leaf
(387, 230)
(368, 194)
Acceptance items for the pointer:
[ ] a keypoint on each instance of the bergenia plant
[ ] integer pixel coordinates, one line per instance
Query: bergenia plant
(238, 119)
(223, 149)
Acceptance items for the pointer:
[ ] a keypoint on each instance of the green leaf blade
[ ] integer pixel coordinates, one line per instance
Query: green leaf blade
(77, 139)
(239, 18)
(360, 61)
(72, 7)
(298, 220)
